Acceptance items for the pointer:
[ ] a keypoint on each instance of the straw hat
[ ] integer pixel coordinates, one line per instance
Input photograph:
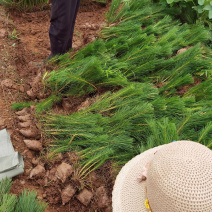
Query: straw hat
(179, 179)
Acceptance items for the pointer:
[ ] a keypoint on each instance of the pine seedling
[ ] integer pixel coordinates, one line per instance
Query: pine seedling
(194, 122)
(23, 203)
(5, 187)
(201, 91)
(8, 203)
(21, 105)
(47, 104)
(83, 78)
(106, 128)
(27, 202)
(203, 134)
(160, 132)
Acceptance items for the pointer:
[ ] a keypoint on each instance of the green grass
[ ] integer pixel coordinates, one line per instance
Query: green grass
(24, 4)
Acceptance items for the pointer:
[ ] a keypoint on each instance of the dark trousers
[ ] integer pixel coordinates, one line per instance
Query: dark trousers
(63, 16)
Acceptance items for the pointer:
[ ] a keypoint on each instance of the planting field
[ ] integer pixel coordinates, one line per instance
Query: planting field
(20, 63)
(139, 76)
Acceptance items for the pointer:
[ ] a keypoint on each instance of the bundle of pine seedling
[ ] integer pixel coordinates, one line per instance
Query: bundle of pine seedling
(120, 125)
(23, 203)
(140, 44)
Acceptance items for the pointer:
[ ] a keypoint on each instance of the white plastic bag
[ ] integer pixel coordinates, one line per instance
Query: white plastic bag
(11, 162)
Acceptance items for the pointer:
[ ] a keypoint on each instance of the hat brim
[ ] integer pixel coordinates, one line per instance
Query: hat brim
(128, 193)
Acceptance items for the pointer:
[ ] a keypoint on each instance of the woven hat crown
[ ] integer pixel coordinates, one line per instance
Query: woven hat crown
(179, 178)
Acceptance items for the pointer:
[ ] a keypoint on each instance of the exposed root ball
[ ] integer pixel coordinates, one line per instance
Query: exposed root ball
(25, 117)
(103, 200)
(64, 171)
(23, 112)
(35, 161)
(37, 171)
(30, 133)
(67, 194)
(85, 197)
(183, 50)
(36, 85)
(33, 145)
(25, 124)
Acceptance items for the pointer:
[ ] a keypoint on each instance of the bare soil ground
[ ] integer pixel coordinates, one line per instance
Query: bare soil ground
(21, 51)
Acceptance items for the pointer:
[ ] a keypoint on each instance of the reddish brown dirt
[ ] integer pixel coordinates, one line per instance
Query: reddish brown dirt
(19, 63)
(183, 89)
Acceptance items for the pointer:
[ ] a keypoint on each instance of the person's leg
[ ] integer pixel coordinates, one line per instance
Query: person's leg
(55, 41)
(69, 43)
(63, 17)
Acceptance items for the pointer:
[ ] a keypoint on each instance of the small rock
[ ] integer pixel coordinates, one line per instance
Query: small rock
(183, 50)
(37, 171)
(64, 171)
(23, 182)
(60, 156)
(103, 200)
(40, 197)
(85, 197)
(8, 83)
(32, 93)
(35, 64)
(77, 44)
(3, 33)
(35, 161)
(67, 194)
(83, 26)
(87, 25)
(94, 26)
(33, 145)
(66, 104)
(21, 88)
